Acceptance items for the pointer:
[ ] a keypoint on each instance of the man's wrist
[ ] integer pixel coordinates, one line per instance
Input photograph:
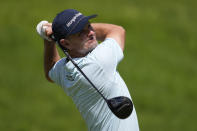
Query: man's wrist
(49, 43)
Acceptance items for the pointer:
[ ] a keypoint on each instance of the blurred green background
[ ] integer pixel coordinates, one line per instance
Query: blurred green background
(160, 64)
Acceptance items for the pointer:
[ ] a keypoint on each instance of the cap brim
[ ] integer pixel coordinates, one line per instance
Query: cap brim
(82, 23)
(92, 16)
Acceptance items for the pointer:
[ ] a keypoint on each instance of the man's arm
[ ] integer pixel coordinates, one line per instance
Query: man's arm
(51, 56)
(104, 31)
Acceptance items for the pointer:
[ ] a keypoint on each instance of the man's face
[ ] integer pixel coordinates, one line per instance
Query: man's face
(83, 41)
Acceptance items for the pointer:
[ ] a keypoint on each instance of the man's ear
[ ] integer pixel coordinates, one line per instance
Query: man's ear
(65, 43)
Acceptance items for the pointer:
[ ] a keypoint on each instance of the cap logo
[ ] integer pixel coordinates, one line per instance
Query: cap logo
(73, 19)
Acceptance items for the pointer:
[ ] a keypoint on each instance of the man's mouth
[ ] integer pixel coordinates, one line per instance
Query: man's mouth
(91, 38)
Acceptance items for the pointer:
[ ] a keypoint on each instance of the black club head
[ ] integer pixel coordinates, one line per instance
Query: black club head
(121, 106)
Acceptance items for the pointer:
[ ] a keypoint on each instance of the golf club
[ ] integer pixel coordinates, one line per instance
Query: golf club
(121, 106)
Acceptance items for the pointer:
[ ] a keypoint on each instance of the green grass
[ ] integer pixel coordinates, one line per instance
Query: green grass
(160, 64)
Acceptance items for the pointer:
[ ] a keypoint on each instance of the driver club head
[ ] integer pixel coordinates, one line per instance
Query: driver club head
(121, 106)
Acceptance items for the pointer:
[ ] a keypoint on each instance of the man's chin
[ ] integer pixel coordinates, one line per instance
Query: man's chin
(93, 46)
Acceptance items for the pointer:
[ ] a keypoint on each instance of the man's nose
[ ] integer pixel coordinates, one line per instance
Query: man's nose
(90, 32)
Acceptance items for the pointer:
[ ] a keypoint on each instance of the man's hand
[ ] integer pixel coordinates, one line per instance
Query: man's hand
(44, 29)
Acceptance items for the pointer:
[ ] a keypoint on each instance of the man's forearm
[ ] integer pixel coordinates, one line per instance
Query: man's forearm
(104, 31)
(51, 56)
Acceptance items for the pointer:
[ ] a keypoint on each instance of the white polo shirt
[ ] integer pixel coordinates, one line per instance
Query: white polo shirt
(100, 66)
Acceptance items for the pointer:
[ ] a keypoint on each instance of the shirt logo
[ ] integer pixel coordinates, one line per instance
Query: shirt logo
(73, 19)
(69, 77)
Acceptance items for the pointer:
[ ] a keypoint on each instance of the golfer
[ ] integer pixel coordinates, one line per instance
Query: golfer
(73, 32)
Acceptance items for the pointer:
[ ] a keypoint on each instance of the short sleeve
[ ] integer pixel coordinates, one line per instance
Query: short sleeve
(56, 71)
(108, 54)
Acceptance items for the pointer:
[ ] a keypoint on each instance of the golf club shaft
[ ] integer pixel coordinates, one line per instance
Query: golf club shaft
(69, 57)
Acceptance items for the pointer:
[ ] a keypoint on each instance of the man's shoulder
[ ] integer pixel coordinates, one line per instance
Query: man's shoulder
(89, 61)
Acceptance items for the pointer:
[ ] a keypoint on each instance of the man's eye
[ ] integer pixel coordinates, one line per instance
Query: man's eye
(86, 30)
(89, 27)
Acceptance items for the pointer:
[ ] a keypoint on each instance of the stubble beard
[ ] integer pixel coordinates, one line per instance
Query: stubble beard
(85, 51)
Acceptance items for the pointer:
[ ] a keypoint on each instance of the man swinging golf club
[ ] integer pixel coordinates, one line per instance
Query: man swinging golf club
(88, 73)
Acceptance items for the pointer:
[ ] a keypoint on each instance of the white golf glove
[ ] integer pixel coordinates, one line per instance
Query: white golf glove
(41, 29)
